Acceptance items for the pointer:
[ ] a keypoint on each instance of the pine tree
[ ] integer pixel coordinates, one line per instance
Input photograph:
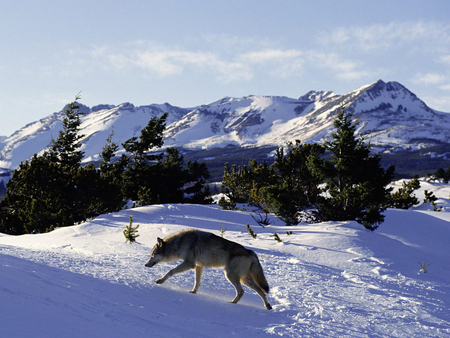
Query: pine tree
(37, 196)
(138, 174)
(65, 149)
(53, 190)
(110, 190)
(404, 198)
(356, 184)
(130, 232)
(296, 186)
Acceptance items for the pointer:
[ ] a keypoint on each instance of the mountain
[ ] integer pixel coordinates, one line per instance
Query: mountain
(125, 120)
(392, 119)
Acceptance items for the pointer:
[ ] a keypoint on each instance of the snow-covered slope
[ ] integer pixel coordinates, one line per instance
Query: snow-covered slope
(332, 279)
(124, 120)
(391, 117)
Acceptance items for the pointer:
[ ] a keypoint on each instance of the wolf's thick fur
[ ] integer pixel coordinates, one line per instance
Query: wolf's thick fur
(199, 249)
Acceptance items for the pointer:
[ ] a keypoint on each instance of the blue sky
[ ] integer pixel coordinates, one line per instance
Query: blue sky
(193, 52)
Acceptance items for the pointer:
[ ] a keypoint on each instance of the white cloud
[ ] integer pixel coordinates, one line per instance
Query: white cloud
(166, 61)
(445, 59)
(222, 65)
(383, 36)
(271, 55)
(343, 69)
(440, 103)
(276, 62)
(430, 78)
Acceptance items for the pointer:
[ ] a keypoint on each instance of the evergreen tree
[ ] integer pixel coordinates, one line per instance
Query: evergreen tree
(355, 182)
(404, 197)
(195, 188)
(130, 232)
(38, 196)
(65, 149)
(151, 177)
(296, 187)
(138, 174)
(53, 190)
(110, 190)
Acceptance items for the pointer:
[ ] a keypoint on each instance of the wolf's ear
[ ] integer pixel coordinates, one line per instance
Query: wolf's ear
(160, 241)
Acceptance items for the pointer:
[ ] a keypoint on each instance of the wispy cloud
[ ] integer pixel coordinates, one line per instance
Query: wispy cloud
(244, 63)
(334, 63)
(382, 36)
(430, 78)
(166, 61)
(277, 62)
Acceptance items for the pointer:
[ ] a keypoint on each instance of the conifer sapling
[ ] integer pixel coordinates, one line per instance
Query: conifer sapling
(130, 232)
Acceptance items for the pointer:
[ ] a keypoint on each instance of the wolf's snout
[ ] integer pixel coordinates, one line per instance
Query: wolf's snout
(149, 264)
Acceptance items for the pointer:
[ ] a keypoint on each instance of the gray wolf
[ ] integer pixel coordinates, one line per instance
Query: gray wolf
(200, 249)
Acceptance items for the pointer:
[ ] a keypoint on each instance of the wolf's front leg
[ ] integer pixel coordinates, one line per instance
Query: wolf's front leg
(186, 265)
(198, 278)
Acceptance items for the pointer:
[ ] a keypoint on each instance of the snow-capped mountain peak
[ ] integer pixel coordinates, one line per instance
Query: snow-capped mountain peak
(391, 116)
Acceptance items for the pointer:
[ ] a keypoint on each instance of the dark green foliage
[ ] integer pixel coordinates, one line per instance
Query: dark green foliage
(138, 172)
(195, 190)
(250, 231)
(54, 190)
(341, 181)
(445, 175)
(65, 149)
(431, 198)
(292, 187)
(235, 185)
(404, 197)
(277, 238)
(355, 183)
(285, 188)
(36, 194)
(130, 232)
(110, 190)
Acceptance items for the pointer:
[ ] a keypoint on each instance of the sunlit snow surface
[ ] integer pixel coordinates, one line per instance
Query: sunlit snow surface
(331, 279)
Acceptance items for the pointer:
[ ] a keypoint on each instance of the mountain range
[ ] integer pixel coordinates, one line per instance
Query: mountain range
(392, 118)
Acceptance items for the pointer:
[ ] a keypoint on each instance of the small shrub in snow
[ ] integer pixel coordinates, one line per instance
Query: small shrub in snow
(424, 266)
(222, 231)
(250, 231)
(130, 232)
(277, 238)
(429, 197)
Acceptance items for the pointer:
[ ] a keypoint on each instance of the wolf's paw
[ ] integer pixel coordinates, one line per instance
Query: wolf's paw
(192, 291)
(159, 281)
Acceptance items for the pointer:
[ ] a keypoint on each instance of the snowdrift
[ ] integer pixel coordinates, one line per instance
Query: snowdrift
(332, 279)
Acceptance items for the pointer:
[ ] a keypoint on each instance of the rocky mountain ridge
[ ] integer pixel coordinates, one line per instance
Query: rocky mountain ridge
(391, 117)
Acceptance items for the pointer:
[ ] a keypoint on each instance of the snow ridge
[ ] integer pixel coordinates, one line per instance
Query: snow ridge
(332, 279)
(391, 118)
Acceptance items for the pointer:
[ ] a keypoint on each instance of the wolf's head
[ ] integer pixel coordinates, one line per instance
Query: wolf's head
(157, 253)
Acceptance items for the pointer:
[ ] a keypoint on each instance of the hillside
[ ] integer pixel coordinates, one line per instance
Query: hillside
(392, 119)
(332, 279)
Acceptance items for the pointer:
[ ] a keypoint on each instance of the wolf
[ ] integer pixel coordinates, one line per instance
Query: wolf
(200, 249)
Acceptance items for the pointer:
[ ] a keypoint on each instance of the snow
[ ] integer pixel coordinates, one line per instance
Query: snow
(392, 118)
(332, 279)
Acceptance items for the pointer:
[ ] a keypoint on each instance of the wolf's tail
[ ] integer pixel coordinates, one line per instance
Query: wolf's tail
(257, 273)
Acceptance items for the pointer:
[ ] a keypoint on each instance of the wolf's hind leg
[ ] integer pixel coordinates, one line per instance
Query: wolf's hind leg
(235, 280)
(249, 281)
(186, 265)
(198, 278)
